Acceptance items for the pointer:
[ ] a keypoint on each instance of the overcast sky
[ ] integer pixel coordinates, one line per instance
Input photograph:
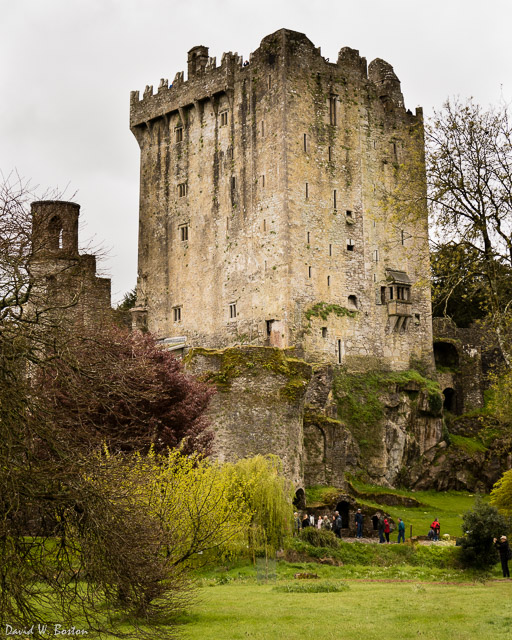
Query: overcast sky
(67, 68)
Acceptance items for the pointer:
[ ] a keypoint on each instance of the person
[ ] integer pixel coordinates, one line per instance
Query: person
(387, 529)
(504, 551)
(337, 524)
(326, 524)
(359, 523)
(401, 530)
(319, 522)
(436, 528)
(380, 528)
(296, 524)
(305, 521)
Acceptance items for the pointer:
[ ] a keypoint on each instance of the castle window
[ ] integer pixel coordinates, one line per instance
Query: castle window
(376, 255)
(328, 281)
(338, 349)
(350, 245)
(349, 215)
(402, 237)
(403, 293)
(55, 233)
(352, 302)
(308, 237)
(178, 134)
(232, 310)
(270, 82)
(264, 225)
(383, 295)
(334, 199)
(307, 190)
(233, 182)
(310, 270)
(182, 190)
(324, 332)
(263, 181)
(330, 249)
(417, 318)
(262, 129)
(306, 142)
(391, 293)
(223, 118)
(177, 314)
(332, 110)
(183, 230)
(330, 154)
(269, 324)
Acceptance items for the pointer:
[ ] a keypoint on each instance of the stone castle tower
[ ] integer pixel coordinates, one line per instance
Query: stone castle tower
(65, 281)
(262, 217)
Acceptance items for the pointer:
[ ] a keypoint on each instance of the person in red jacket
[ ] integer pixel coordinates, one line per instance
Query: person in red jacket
(436, 528)
(387, 529)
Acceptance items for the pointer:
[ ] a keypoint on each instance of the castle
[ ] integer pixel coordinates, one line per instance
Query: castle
(262, 207)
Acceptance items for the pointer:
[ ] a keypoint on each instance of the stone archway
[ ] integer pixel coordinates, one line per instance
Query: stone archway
(344, 510)
(299, 502)
(446, 355)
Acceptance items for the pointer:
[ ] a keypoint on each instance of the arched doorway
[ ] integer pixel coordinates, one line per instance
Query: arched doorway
(446, 355)
(299, 502)
(375, 522)
(344, 508)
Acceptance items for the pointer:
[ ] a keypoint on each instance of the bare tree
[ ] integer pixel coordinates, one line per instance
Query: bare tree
(469, 171)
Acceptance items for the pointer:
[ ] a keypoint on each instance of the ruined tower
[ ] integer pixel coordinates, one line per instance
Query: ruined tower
(65, 281)
(266, 207)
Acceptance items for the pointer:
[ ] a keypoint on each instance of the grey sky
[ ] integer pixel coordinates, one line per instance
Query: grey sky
(67, 68)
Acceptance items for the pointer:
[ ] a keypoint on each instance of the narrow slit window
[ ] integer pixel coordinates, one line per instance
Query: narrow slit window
(402, 237)
(308, 237)
(324, 332)
(232, 310)
(270, 82)
(330, 249)
(178, 134)
(263, 182)
(376, 255)
(223, 118)
(184, 233)
(350, 245)
(328, 281)
(305, 142)
(330, 154)
(262, 129)
(338, 349)
(233, 182)
(177, 314)
(334, 199)
(307, 190)
(332, 110)
(310, 270)
(182, 190)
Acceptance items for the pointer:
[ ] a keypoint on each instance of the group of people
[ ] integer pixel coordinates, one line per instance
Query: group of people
(329, 523)
(435, 529)
(335, 523)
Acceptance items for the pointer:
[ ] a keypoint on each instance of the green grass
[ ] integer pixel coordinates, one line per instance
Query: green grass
(448, 506)
(368, 610)
(470, 445)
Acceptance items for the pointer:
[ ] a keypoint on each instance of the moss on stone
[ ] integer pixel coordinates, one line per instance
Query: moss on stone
(252, 361)
(323, 310)
(360, 407)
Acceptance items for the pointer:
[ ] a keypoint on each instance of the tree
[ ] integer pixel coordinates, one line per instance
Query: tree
(68, 541)
(469, 174)
(123, 389)
(481, 525)
(501, 494)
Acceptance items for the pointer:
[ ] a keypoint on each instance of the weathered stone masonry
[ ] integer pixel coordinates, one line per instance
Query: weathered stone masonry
(261, 217)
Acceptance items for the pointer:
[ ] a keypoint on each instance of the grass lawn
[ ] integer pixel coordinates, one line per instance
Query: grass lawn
(366, 610)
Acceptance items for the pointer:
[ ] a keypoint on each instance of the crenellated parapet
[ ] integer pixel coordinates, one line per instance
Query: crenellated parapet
(205, 79)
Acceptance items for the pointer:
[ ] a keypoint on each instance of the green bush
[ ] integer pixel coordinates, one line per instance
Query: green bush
(318, 587)
(481, 524)
(319, 538)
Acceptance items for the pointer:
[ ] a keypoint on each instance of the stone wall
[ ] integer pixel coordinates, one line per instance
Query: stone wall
(261, 196)
(268, 401)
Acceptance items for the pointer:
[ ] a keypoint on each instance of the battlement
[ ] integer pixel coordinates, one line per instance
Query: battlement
(205, 79)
